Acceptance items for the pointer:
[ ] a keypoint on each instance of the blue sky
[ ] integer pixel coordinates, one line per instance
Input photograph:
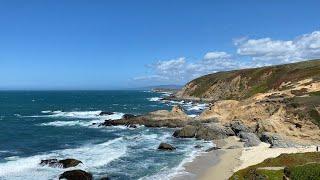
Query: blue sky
(96, 44)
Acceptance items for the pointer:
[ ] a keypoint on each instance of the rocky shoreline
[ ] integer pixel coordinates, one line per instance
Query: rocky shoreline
(200, 127)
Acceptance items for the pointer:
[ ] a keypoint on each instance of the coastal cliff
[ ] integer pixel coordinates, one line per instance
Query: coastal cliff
(241, 84)
(283, 99)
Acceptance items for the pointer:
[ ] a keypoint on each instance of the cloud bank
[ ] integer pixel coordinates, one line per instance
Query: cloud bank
(249, 53)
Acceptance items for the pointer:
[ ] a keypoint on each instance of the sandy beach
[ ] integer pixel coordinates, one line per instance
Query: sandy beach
(221, 164)
(216, 164)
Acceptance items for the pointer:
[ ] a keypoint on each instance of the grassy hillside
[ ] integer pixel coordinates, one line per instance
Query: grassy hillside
(240, 84)
(299, 166)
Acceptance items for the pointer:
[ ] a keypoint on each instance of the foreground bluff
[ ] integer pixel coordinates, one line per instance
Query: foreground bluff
(162, 118)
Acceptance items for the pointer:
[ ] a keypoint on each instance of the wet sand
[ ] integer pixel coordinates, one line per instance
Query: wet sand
(214, 165)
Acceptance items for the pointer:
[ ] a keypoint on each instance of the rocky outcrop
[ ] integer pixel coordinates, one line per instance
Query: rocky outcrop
(249, 139)
(276, 141)
(208, 131)
(128, 116)
(239, 127)
(104, 113)
(76, 175)
(143, 120)
(166, 147)
(65, 163)
(162, 118)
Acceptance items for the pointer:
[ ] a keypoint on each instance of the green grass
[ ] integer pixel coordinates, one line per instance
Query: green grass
(316, 93)
(305, 172)
(271, 174)
(315, 116)
(284, 160)
(255, 80)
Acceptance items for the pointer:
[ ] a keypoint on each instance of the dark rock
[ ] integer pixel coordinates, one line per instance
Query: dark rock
(50, 162)
(69, 163)
(234, 147)
(298, 125)
(132, 126)
(165, 146)
(140, 120)
(287, 172)
(105, 178)
(212, 149)
(275, 140)
(198, 146)
(103, 113)
(76, 175)
(238, 127)
(128, 116)
(65, 163)
(250, 139)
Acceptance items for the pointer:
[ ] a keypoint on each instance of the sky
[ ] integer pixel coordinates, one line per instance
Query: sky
(118, 44)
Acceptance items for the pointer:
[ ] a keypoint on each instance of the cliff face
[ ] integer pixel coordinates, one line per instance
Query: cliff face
(241, 84)
(282, 99)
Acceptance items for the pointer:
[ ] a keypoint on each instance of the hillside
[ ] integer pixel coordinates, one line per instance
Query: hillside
(241, 84)
(282, 99)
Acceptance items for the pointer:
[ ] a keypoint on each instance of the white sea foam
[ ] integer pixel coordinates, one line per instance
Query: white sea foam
(197, 107)
(154, 99)
(83, 120)
(179, 170)
(93, 157)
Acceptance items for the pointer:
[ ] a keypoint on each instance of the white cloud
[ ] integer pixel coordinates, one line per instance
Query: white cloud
(256, 52)
(272, 51)
(215, 55)
(179, 70)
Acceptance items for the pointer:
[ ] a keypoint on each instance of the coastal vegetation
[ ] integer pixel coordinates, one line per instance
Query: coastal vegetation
(298, 166)
(241, 84)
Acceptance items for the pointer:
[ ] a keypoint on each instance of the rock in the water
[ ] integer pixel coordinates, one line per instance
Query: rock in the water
(105, 178)
(103, 113)
(198, 146)
(165, 146)
(212, 148)
(65, 163)
(128, 116)
(234, 147)
(238, 127)
(275, 140)
(250, 139)
(51, 163)
(141, 120)
(76, 175)
(69, 162)
(132, 126)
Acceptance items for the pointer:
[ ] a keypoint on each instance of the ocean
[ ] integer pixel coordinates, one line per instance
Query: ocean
(37, 125)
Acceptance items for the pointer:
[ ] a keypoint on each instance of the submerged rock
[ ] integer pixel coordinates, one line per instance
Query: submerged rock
(76, 175)
(103, 113)
(51, 163)
(165, 146)
(65, 163)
